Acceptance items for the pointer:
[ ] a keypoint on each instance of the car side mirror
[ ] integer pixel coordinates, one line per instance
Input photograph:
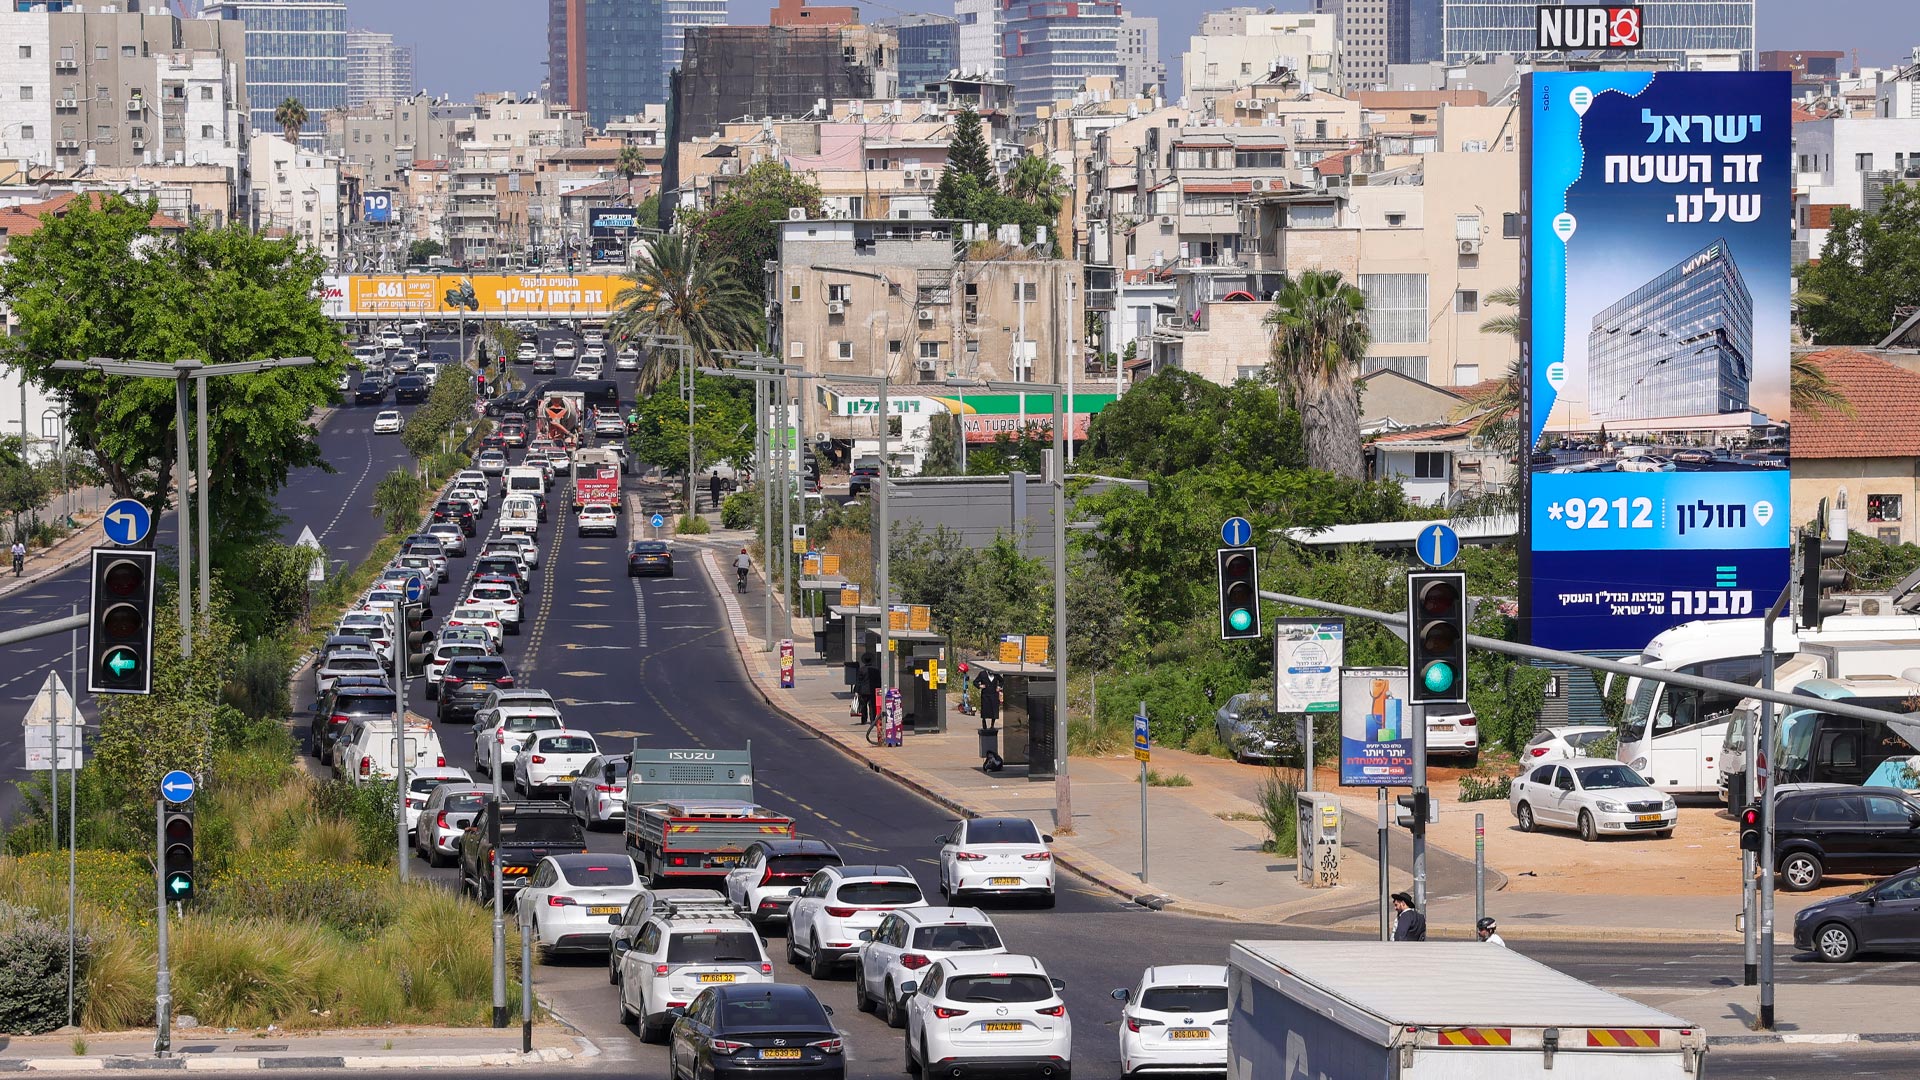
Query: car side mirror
(942, 839)
(1122, 994)
(1058, 984)
(866, 935)
(908, 987)
(1046, 837)
(827, 1007)
(1913, 821)
(621, 945)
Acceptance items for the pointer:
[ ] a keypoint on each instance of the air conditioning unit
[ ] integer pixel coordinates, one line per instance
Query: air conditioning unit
(1240, 103)
(926, 365)
(66, 103)
(136, 105)
(66, 65)
(796, 213)
(835, 307)
(1166, 219)
(1259, 185)
(67, 144)
(926, 314)
(139, 144)
(1469, 247)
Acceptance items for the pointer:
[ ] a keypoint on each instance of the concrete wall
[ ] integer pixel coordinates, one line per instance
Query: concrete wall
(1822, 478)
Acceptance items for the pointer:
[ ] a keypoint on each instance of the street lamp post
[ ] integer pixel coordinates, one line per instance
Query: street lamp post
(1063, 791)
(668, 341)
(770, 375)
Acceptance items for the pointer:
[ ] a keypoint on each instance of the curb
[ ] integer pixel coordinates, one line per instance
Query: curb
(547, 1056)
(1883, 1038)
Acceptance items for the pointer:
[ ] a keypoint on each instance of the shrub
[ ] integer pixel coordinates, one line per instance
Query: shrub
(368, 808)
(1481, 788)
(740, 510)
(119, 983)
(692, 524)
(1156, 778)
(1279, 810)
(121, 882)
(348, 897)
(33, 971)
(250, 972)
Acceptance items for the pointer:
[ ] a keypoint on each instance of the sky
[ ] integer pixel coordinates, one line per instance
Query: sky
(463, 47)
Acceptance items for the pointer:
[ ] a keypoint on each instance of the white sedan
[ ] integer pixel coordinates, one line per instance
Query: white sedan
(1003, 855)
(1175, 1021)
(551, 759)
(598, 519)
(999, 1013)
(598, 793)
(498, 733)
(1594, 796)
(572, 900)
(1570, 741)
(388, 422)
(485, 618)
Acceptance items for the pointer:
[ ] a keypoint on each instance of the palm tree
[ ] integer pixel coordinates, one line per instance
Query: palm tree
(630, 163)
(674, 290)
(1038, 181)
(1504, 325)
(291, 116)
(1810, 389)
(1319, 328)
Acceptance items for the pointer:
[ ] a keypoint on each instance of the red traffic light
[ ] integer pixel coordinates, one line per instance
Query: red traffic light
(1439, 597)
(124, 577)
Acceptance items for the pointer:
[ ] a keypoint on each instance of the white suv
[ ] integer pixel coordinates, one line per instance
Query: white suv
(683, 948)
(598, 519)
(977, 1013)
(1004, 855)
(903, 946)
(838, 902)
(1176, 1021)
(498, 733)
(772, 872)
(552, 759)
(570, 901)
(504, 599)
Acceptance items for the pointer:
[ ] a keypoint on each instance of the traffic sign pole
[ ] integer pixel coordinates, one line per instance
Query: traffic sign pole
(163, 979)
(1142, 749)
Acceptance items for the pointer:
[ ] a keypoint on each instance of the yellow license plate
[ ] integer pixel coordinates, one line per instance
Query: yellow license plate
(564, 779)
(509, 871)
(1189, 1033)
(1003, 881)
(719, 977)
(610, 909)
(1001, 1025)
(782, 1055)
(1648, 817)
(723, 860)
(1442, 727)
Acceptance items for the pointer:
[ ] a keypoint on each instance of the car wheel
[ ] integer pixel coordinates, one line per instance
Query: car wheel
(896, 1013)
(626, 1014)
(1587, 830)
(818, 966)
(613, 969)
(1834, 943)
(1523, 817)
(651, 1032)
(861, 1002)
(793, 954)
(1801, 871)
(434, 858)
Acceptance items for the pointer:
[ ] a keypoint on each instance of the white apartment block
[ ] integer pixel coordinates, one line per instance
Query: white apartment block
(1242, 47)
(377, 69)
(1141, 69)
(296, 192)
(981, 23)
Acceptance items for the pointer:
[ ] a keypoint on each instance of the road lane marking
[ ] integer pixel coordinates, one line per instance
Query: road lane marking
(736, 621)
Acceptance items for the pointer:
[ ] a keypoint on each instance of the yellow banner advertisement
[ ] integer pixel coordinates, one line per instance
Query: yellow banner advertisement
(364, 296)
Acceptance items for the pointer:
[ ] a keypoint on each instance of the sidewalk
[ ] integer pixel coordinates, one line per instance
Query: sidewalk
(42, 563)
(214, 1050)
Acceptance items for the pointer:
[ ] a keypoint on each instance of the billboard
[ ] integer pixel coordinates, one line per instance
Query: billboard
(612, 221)
(1658, 215)
(374, 296)
(1307, 654)
(1376, 743)
(376, 207)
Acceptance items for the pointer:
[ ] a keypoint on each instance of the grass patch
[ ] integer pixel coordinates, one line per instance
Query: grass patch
(1156, 778)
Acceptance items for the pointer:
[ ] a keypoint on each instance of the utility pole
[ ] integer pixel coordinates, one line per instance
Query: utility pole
(205, 496)
(183, 515)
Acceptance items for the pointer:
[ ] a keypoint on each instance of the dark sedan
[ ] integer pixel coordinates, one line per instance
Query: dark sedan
(757, 1029)
(649, 557)
(467, 682)
(411, 389)
(1884, 918)
(371, 391)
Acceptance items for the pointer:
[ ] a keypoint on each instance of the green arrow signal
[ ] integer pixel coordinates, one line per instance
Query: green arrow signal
(179, 883)
(120, 662)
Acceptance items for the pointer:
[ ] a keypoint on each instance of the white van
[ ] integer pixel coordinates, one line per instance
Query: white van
(520, 514)
(373, 753)
(525, 480)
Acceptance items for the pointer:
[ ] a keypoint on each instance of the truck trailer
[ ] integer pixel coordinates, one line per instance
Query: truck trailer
(1377, 1010)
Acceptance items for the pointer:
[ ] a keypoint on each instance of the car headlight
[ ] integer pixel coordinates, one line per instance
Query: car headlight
(1638, 764)
(1608, 806)
(1666, 804)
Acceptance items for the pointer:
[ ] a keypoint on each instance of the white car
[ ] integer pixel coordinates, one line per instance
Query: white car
(1559, 743)
(597, 519)
(596, 349)
(421, 784)
(443, 653)
(492, 461)
(598, 793)
(551, 759)
(347, 663)
(449, 809)
(995, 1013)
(482, 616)
(501, 597)
(1002, 855)
(387, 423)
(501, 545)
(1175, 1020)
(498, 733)
(452, 539)
(594, 339)
(375, 626)
(587, 367)
(391, 341)
(529, 550)
(838, 902)
(417, 326)
(569, 902)
(563, 349)
(686, 946)
(899, 950)
(627, 359)
(1594, 796)
(770, 873)
(476, 476)
(525, 352)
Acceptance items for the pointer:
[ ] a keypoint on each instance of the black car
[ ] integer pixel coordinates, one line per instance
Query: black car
(649, 557)
(459, 513)
(339, 707)
(1885, 917)
(411, 389)
(506, 566)
(763, 1030)
(512, 403)
(467, 682)
(371, 391)
(1821, 831)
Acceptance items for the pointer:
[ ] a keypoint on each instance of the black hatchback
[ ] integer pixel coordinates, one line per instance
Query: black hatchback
(459, 513)
(1820, 831)
(760, 1030)
(1883, 918)
(371, 391)
(467, 682)
(339, 707)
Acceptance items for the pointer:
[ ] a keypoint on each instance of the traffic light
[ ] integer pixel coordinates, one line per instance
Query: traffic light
(1437, 637)
(120, 633)
(1750, 829)
(1815, 578)
(176, 856)
(1418, 806)
(1239, 593)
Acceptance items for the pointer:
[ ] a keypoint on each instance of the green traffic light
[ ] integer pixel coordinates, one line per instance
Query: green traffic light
(1239, 618)
(121, 663)
(178, 884)
(1438, 677)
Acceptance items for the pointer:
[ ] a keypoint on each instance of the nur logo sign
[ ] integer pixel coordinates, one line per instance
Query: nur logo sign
(1566, 27)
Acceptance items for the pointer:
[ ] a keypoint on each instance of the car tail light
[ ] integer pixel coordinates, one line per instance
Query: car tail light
(1538, 751)
(1135, 1023)
(827, 1046)
(841, 912)
(539, 759)
(968, 856)
(492, 623)
(1469, 721)
(364, 763)
(452, 680)
(766, 968)
(440, 762)
(560, 901)
(1053, 1010)
(440, 820)
(659, 969)
(337, 718)
(727, 1046)
(945, 1013)
(1038, 856)
(505, 680)
(913, 961)
(610, 788)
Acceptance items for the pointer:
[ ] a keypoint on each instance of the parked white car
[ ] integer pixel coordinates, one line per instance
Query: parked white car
(1594, 796)
(770, 873)
(1001, 855)
(387, 422)
(598, 793)
(899, 950)
(998, 1013)
(498, 733)
(1175, 1020)
(421, 785)
(1570, 741)
(552, 759)
(570, 901)
(838, 902)
(683, 948)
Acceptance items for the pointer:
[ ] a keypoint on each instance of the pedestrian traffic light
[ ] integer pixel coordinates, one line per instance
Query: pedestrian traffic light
(120, 631)
(1750, 829)
(1417, 807)
(1239, 593)
(176, 856)
(1812, 605)
(1437, 637)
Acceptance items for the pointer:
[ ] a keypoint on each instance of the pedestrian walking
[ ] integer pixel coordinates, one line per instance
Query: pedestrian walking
(1408, 924)
(713, 488)
(1489, 931)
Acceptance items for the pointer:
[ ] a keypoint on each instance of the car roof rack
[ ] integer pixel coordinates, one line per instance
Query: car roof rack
(687, 907)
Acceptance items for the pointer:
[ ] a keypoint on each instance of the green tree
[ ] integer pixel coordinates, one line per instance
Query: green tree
(746, 220)
(1319, 327)
(268, 589)
(1038, 182)
(722, 429)
(291, 116)
(1811, 391)
(647, 214)
(23, 488)
(968, 154)
(103, 282)
(1869, 268)
(677, 290)
(630, 163)
(449, 405)
(396, 501)
(420, 251)
(1175, 420)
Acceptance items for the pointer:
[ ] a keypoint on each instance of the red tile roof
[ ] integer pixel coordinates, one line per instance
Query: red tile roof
(1335, 164)
(1886, 404)
(25, 219)
(1416, 434)
(1230, 187)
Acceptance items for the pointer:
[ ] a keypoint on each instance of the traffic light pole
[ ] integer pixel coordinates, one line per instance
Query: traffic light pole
(1762, 753)
(1420, 796)
(163, 979)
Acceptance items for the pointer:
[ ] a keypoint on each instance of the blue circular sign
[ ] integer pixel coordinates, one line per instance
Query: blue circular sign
(1236, 531)
(1437, 545)
(126, 522)
(658, 521)
(414, 588)
(177, 786)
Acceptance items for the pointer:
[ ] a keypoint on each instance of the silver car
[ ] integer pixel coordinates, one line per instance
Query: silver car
(447, 813)
(598, 793)
(1251, 731)
(347, 663)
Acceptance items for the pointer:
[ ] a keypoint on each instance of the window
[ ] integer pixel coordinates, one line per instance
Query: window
(793, 292)
(1396, 219)
(26, 52)
(1883, 508)
(1863, 162)
(206, 93)
(1466, 300)
(99, 52)
(206, 131)
(26, 131)
(1396, 307)
(893, 346)
(1026, 290)
(1466, 226)
(841, 293)
(1430, 465)
(1244, 373)
(128, 51)
(843, 350)
(1466, 374)
(1510, 226)
(102, 133)
(929, 350)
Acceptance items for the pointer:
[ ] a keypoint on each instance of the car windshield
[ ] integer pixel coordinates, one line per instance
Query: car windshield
(879, 892)
(713, 946)
(353, 663)
(459, 648)
(568, 744)
(1002, 831)
(1608, 777)
(649, 547)
(1185, 999)
(541, 829)
(531, 722)
(999, 989)
(956, 938)
(477, 668)
(611, 872)
(364, 704)
(771, 1011)
(424, 785)
(465, 802)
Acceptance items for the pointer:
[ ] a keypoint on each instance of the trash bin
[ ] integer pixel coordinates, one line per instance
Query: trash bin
(989, 741)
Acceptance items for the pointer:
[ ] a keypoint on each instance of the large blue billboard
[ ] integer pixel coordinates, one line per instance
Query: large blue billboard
(1656, 261)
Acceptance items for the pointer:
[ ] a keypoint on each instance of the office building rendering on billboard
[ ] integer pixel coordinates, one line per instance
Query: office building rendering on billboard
(1656, 313)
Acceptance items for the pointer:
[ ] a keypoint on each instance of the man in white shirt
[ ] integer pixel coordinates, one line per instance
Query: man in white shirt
(1488, 931)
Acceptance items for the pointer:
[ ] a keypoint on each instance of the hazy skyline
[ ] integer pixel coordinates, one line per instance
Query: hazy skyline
(464, 47)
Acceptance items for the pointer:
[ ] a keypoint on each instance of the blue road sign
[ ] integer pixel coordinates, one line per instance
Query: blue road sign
(1236, 531)
(1437, 545)
(177, 786)
(1141, 739)
(414, 588)
(126, 522)
(658, 521)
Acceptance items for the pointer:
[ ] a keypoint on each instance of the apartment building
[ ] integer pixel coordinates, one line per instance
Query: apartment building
(1141, 69)
(297, 193)
(382, 138)
(1243, 46)
(1850, 160)
(378, 69)
(1052, 49)
(980, 23)
(112, 89)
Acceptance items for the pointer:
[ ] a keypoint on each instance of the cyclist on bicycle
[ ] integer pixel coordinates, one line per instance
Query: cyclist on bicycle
(741, 564)
(19, 557)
